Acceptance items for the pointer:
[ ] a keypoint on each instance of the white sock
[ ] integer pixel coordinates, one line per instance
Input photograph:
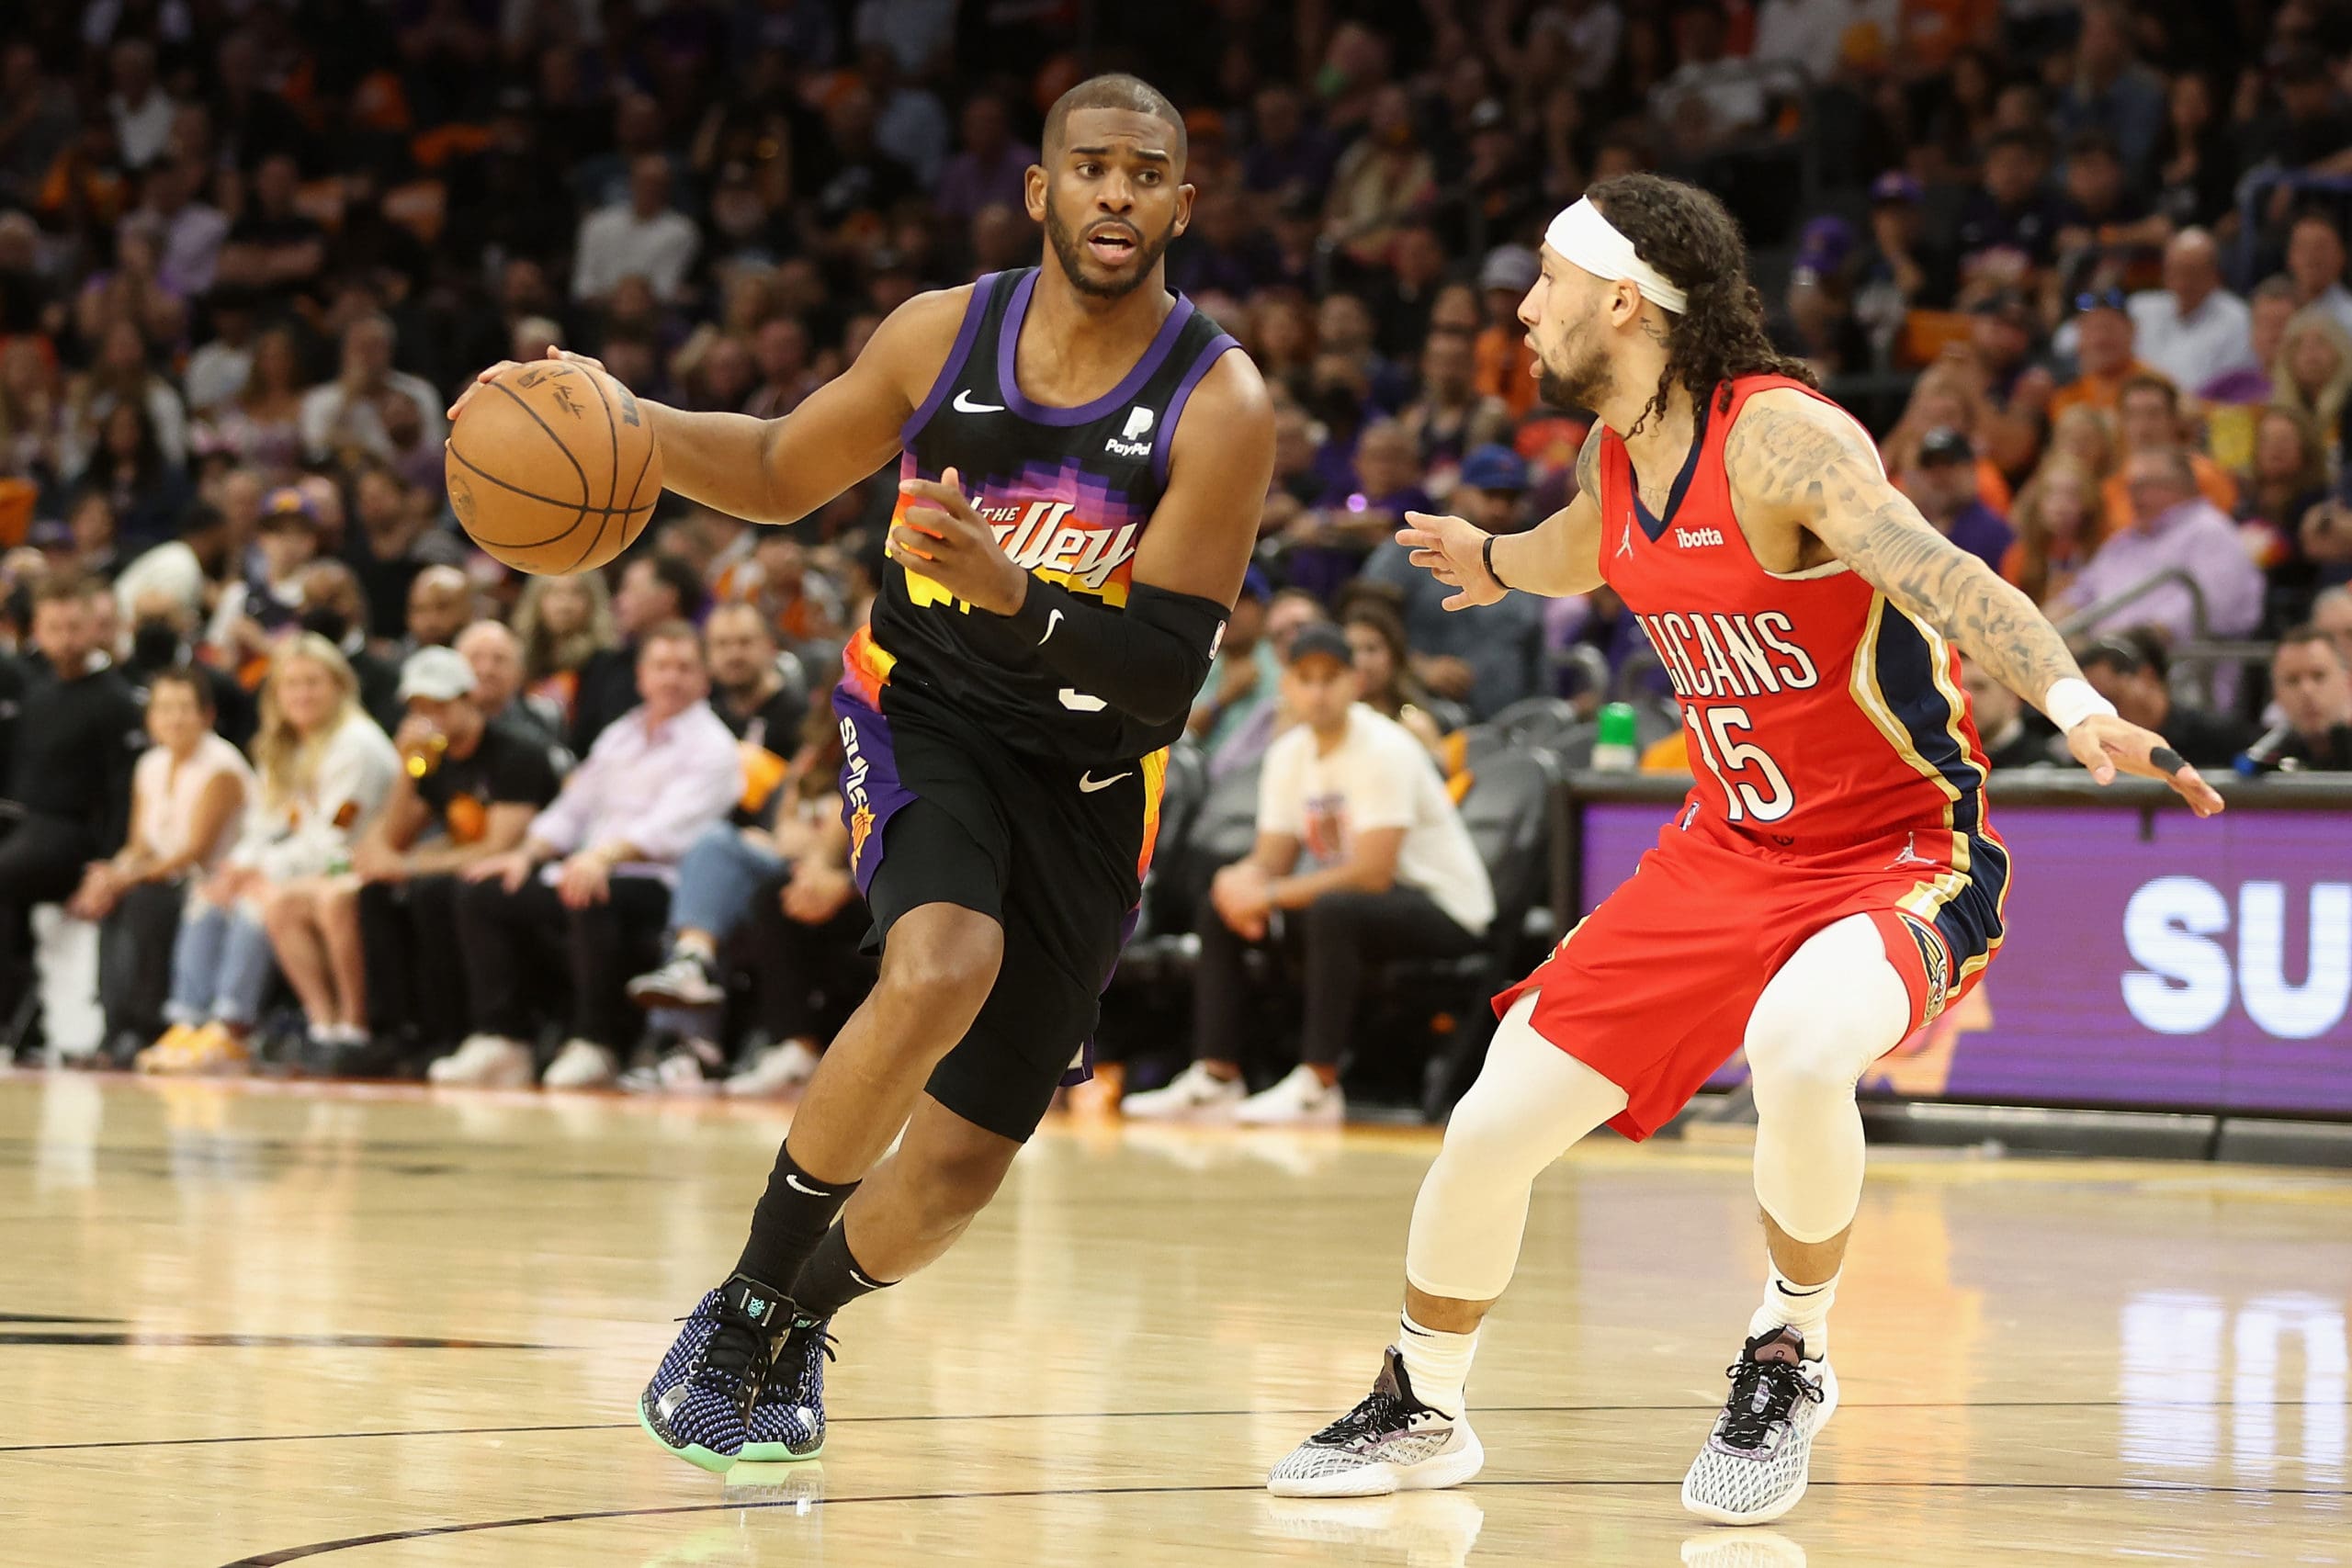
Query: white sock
(1804, 1308)
(1438, 1363)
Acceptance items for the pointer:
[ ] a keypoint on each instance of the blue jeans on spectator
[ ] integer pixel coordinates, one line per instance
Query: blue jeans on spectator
(716, 881)
(220, 966)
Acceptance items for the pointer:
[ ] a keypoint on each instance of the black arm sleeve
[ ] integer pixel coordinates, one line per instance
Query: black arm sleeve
(1147, 661)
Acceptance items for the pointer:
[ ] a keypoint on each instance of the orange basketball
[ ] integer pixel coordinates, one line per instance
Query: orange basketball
(552, 467)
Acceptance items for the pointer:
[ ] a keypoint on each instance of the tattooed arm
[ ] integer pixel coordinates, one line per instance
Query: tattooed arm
(1558, 557)
(1795, 463)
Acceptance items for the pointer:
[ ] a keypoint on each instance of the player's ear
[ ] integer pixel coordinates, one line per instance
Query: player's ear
(1033, 192)
(1184, 193)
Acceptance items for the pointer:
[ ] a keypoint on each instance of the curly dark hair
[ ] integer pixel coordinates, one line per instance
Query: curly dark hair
(1687, 234)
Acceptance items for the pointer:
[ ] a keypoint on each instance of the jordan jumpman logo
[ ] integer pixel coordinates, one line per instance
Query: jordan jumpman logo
(1910, 855)
(1626, 545)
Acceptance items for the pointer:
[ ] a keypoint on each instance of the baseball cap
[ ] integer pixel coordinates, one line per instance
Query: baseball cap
(1824, 245)
(1945, 444)
(286, 504)
(1493, 468)
(1324, 638)
(1895, 185)
(1514, 267)
(436, 675)
(2109, 299)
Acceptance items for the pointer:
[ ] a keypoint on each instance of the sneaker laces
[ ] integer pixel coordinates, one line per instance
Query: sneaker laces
(1378, 1413)
(1762, 1395)
(736, 1360)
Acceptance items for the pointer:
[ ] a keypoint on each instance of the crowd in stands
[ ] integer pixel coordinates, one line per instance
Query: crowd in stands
(340, 793)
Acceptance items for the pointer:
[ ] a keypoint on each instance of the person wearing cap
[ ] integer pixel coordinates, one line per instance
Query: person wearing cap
(372, 953)
(269, 599)
(1488, 657)
(1902, 261)
(1942, 484)
(2132, 671)
(1820, 322)
(2192, 330)
(1504, 362)
(1394, 873)
(2104, 356)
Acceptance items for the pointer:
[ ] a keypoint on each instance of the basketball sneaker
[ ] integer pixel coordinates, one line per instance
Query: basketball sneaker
(789, 1416)
(581, 1063)
(691, 1066)
(1195, 1094)
(484, 1061)
(684, 981)
(699, 1404)
(1299, 1099)
(778, 1070)
(1389, 1442)
(1755, 1461)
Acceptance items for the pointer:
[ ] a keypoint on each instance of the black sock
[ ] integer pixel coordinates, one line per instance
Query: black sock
(792, 1217)
(830, 1280)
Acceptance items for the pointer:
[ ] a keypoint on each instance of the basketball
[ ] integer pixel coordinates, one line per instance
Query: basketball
(552, 467)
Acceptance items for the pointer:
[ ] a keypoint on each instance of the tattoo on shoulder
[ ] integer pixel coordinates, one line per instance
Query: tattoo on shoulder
(1589, 461)
(1788, 462)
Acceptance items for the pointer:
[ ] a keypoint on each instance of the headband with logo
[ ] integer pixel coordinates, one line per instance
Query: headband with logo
(1583, 236)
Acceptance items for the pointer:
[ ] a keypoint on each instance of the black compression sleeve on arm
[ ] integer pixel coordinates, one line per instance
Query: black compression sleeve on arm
(1147, 661)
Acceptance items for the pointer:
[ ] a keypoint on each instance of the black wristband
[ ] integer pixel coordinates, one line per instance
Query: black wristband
(1486, 555)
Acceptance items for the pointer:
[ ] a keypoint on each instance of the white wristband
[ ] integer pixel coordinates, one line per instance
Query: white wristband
(2073, 699)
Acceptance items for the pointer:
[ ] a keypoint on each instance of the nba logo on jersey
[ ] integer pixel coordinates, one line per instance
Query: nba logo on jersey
(1131, 442)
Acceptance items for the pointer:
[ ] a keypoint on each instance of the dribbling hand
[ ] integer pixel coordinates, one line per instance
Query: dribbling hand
(487, 377)
(2106, 744)
(1452, 550)
(955, 547)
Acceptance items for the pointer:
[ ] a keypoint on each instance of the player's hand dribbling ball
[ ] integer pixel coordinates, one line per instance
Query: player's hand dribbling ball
(552, 465)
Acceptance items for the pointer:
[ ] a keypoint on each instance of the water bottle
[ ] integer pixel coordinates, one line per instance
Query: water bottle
(1614, 748)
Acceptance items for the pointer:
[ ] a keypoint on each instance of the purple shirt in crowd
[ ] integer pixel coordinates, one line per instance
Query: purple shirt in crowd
(658, 787)
(1981, 531)
(2196, 536)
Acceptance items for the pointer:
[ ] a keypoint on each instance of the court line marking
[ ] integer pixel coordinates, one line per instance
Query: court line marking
(318, 1549)
(1150, 1414)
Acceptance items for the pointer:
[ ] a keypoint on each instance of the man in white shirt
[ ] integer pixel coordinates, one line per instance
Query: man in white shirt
(643, 237)
(594, 875)
(2192, 329)
(347, 412)
(1395, 873)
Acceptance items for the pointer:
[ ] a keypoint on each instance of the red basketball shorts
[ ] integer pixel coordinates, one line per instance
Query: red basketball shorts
(1653, 991)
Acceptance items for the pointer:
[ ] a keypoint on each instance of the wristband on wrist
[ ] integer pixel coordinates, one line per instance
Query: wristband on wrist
(2073, 699)
(1486, 555)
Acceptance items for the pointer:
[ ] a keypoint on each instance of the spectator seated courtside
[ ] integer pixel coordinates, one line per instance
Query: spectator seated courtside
(1393, 871)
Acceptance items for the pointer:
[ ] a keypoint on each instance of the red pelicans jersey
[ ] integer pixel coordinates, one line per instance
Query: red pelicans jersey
(1837, 774)
(1817, 711)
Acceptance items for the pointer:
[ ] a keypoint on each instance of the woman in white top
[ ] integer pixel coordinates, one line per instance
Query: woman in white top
(326, 771)
(188, 804)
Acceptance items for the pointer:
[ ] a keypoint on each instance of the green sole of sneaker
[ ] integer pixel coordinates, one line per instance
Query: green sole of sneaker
(776, 1453)
(693, 1453)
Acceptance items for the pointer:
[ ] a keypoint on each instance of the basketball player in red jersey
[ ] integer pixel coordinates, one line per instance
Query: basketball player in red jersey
(1831, 883)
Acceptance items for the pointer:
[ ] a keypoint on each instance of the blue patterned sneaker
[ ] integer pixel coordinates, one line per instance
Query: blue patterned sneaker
(788, 1417)
(699, 1405)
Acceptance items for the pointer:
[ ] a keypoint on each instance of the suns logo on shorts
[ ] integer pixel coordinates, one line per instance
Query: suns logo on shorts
(861, 805)
(861, 826)
(1935, 962)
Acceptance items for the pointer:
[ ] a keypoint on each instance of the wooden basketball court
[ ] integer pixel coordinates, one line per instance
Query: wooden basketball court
(259, 1324)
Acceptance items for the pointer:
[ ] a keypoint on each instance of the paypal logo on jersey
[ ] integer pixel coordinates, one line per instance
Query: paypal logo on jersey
(1134, 441)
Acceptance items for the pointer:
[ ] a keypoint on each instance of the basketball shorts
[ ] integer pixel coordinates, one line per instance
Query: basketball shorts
(1654, 989)
(940, 812)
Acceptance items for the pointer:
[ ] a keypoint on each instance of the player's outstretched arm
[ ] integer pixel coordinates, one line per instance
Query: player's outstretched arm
(1792, 458)
(779, 470)
(1558, 557)
(1149, 658)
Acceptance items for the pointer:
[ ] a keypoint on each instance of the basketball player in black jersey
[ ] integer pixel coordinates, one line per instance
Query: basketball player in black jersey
(1082, 461)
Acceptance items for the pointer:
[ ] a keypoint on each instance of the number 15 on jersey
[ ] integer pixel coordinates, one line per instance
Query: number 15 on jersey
(1755, 790)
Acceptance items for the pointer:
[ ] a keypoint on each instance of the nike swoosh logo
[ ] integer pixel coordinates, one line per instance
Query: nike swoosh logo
(1087, 784)
(964, 405)
(1053, 619)
(799, 1185)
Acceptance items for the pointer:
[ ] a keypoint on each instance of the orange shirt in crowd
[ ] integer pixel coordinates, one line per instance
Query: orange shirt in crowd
(2093, 391)
(1504, 360)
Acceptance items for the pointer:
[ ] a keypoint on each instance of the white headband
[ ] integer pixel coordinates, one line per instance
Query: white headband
(1583, 236)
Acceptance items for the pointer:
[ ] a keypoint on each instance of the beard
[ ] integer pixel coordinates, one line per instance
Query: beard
(1072, 252)
(1581, 383)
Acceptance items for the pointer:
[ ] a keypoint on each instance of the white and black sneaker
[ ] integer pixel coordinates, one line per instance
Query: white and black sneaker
(691, 1066)
(1755, 1461)
(686, 981)
(1389, 1442)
